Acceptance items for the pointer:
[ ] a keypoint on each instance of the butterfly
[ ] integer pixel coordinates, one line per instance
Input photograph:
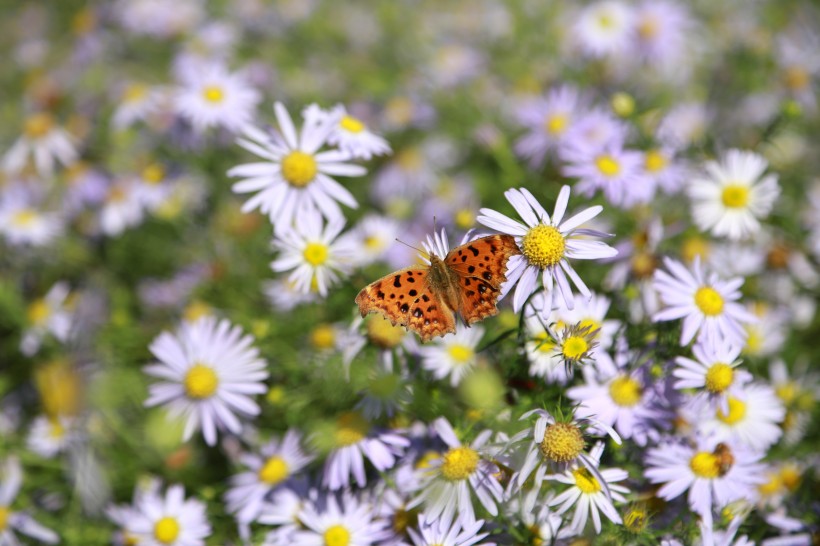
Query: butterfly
(425, 299)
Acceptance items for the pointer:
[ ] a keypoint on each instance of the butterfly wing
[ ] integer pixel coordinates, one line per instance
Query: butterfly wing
(406, 298)
(481, 267)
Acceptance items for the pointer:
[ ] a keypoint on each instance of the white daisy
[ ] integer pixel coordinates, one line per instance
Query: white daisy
(706, 303)
(712, 374)
(346, 522)
(295, 176)
(169, 520)
(43, 139)
(446, 533)
(546, 245)
(454, 354)
(49, 436)
(213, 97)
(50, 314)
(372, 237)
(12, 522)
(122, 207)
(541, 350)
(349, 133)
(22, 220)
(604, 28)
(137, 101)
(547, 120)
(210, 372)
(734, 196)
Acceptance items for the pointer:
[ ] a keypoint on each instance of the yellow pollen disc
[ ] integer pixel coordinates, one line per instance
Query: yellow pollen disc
(607, 165)
(737, 411)
(591, 325)
(351, 124)
(562, 442)
(459, 463)
(56, 429)
(605, 21)
(705, 465)
(153, 174)
(38, 312)
(556, 124)
(166, 530)
(351, 429)
(4, 517)
(545, 343)
(648, 28)
(373, 243)
(200, 382)
(719, 377)
(695, 246)
(336, 535)
(299, 169)
(543, 246)
(323, 337)
(38, 125)
(315, 253)
(635, 520)
(787, 392)
(24, 218)
(791, 476)
(383, 334)
(643, 265)
(735, 196)
(213, 93)
(585, 481)
(465, 219)
(654, 161)
(796, 78)
(135, 92)
(770, 487)
(754, 340)
(461, 354)
(410, 159)
(274, 470)
(574, 347)
(426, 460)
(709, 301)
(625, 391)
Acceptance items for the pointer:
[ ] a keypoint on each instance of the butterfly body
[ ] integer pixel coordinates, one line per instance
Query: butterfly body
(425, 299)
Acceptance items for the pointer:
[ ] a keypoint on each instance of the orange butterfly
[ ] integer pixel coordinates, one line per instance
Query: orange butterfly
(425, 299)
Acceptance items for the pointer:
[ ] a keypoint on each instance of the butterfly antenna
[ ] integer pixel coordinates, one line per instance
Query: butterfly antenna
(417, 249)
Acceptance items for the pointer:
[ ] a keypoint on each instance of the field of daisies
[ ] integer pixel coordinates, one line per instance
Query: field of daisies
(193, 193)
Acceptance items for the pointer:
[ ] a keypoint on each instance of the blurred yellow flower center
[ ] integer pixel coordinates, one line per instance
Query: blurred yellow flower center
(790, 474)
(38, 125)
(323, 337)
(562, 442)
(796, 78)
(735, 196)
(351, 429)
(545, 344)
(585, 481)
(737, 411)
(4, 517)
(351, 124)
(592, 326)
(635, 520)
(38, 312)
(373, 243)
(695, 246)
(607, 165)
(461, 354)
(719, 377)
(315, 253)
(274, 470)
(299, 169)
(754, 340)
(459, 463)
(787, 392)
(556, 124)
(213, 93)
(705, 465)
(465, 218)
(709, 301)
(654, 161)
(383, 334)
(200, 382)
(625, 391)
(56, 429)
(643, 265)
(605, 21)
(574, 347)
(648, 28)
(24, 218)
(166, 530)
(770, 487)
(336, 535)
(153, 173)
(135, 92)
(543, 246)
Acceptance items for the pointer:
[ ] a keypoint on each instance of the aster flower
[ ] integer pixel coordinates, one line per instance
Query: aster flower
(295, 176)
(735, 195)
(122, 207)
(136, 102)
(661, 32)
(51, 314)
(547, 120)
(706, 303)
(344, 521)
(12, 522)
(209, 371)
(23, 221)
(349, 134)
(618, 173)
(447, 533)
(666, 171)
(713, 373)
(453, 354)
(546, 245)
(604, 28)
(43, 139)
(49, 436)
(169, 519)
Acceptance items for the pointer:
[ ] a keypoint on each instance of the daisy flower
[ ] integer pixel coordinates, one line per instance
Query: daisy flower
(349, 133)
(209, 371)
(49, 436)
(706, 303)
(122, 207)
(135, 103)
(590, 494)
(346, 521)
(734, 195)
(446, 533)
(372, 237)
(546, 246)
(595, 130)
(684, 125)
(51, 314)
(604, 28)
(661, 32)
(277, 462)
(665, 170)
(453, 354)
(43, 139)
(22, 222)
(169, 519)
(714, 473)
(449, 479)
(713, 372)
(312, 253)
(294, 176)
(12, 522)
(547, 120)
(618, 173)
(210, 96)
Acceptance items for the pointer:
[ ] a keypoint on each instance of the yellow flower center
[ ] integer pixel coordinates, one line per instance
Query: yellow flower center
(299, 169)
(635, 519)
(323, 337)
(315, 253)
(590, 325)
(56, 429)
(770, 487)
(735, 196)
(38, 125)
(38, 312)
(754, 340)
(166, 530)
(544, 342)
(796, 78)
(461, 354)
(654, 161)
(791, 476)
(465, 219)
(562, 442)
(574, 347)
(694, 246)
(643, 265)
(787, 392)
(605, 21)
(556, 124)
(372, 242)
(585, 481)
(543, 246)
(4, 517)
(705, 465)
(24, 218)
(607, 165)
(383, 334)
(719, 377)
(737, 411)
(213, 93)
(135, 92)
(351, 429)
(709, 301)
(459, 463)
(625, 391)
(274, 470)
(200, 382)
(336, 535)
(153, 173)
(648, 28)
(351, 124)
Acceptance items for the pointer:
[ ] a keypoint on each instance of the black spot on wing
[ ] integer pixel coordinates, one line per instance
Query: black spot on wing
(397, 281)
